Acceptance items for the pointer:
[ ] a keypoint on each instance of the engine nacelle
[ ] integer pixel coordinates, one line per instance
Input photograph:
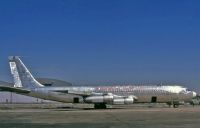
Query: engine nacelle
(128, 100)
(108, 99)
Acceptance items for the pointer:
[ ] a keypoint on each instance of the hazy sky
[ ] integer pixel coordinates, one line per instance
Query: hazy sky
(104, 41)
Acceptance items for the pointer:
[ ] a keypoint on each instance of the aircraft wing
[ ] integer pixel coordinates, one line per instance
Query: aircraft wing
(13, 89)
(87, 94)
(80, 93)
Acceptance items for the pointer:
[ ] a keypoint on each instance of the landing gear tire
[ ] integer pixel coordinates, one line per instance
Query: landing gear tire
(175, 105)
(100, 106)
(170, 104)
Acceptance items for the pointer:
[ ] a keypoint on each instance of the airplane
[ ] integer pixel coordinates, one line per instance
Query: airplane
(100, 96)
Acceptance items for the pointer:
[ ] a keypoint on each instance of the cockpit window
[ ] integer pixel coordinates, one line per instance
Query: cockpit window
(188, 89)
(183, 91)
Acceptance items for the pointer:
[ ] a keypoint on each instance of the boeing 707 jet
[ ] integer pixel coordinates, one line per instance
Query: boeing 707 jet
(100, 96)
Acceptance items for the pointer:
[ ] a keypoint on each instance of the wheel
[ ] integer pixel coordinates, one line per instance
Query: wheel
(100, 106)
(175, 105)
(169, 104)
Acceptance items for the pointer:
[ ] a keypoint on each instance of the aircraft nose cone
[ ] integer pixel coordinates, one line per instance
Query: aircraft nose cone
(194, 94)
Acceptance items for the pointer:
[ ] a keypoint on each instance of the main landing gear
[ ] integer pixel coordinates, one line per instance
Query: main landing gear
(100, 106)
(174, 104)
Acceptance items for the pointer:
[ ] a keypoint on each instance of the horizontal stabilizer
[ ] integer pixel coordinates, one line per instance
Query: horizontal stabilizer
(13, 89)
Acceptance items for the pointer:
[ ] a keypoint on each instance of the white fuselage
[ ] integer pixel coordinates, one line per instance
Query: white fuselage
(144, 94)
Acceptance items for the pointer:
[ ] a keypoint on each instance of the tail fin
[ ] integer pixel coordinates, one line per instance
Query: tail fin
(21, 75)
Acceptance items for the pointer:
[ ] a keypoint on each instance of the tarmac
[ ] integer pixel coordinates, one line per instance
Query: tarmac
(55, 116)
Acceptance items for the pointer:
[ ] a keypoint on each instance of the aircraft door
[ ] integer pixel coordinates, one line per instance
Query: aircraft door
(76, 100)
(153, 99)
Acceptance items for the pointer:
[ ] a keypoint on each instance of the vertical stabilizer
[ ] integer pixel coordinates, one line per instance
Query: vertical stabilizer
(21, 75)
(15, 74)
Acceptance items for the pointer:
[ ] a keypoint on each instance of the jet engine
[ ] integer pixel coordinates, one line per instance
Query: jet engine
(128, 100)
(110, 99)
